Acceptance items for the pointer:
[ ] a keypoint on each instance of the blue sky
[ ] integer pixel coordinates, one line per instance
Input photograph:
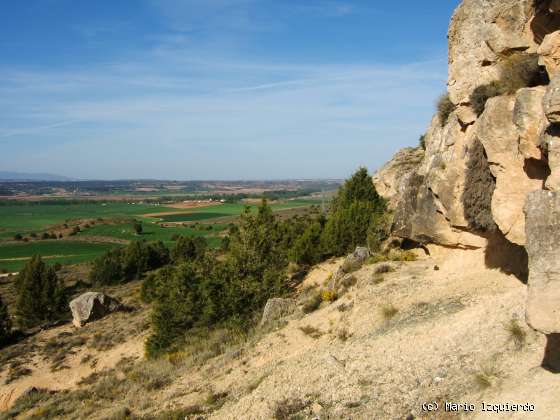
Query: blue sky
(216, 89)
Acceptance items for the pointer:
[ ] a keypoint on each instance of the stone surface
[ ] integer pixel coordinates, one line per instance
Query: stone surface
(549, 53)
(92, 306)
(529, 119)
(543, 238)
(480, 32)
(500, 138)
(389, 181)
(276, 309)
(551, 101)
(551, 141)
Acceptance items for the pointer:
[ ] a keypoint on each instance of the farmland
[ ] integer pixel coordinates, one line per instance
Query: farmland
(88, 229)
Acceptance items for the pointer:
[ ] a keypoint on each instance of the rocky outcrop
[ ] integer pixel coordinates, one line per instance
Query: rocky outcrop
(543, 239)
(484, 176)
(92, 306)
(391, 180)
(481, 32)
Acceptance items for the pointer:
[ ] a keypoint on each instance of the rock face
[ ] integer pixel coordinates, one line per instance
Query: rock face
(498, 150)
(543, 239)
(391, 179)
(92, 306)
(276, 309)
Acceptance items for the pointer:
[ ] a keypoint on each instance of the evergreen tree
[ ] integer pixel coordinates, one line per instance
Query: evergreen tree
(107, 269)
(176, 310)
(40, 294)
(354, 208)
(5, 324)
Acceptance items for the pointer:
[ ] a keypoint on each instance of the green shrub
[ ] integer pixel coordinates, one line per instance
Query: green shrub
(40, 294)
(312, 303)
(444, 108)
(422, 141)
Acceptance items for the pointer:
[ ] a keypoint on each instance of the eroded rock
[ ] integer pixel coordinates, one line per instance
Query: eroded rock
(549, 53)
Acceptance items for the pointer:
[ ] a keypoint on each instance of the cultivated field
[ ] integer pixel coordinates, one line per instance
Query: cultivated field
(105, 225)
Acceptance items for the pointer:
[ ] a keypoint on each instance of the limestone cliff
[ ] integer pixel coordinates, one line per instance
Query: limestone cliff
(498, 146)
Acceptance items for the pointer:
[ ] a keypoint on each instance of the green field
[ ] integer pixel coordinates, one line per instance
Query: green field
(14, 255)
(28, 218)
(207, 213)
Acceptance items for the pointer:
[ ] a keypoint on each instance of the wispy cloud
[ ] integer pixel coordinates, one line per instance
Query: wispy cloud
(173, 117)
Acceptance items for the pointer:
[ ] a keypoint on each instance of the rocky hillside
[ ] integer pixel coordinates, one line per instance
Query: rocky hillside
(489, 177)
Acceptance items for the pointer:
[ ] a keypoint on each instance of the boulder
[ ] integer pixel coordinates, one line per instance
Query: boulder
(549, 53)
(277, 308)
(543, 236)
(551, 101)
(92, 306)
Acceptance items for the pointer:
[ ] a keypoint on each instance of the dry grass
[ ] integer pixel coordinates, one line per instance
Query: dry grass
(517, 333)
(288, 408)
(312, 303)
(311, 331)
(444, 108)
(487, 376)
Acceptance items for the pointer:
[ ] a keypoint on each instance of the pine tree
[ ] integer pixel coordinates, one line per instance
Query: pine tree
(40, 294)
(5, 324)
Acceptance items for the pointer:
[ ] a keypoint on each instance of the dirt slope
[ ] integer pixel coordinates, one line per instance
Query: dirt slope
(380, 351)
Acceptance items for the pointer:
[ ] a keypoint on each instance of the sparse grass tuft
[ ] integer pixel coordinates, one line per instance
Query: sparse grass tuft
(312, 303)
(517, 333)
(486, 377)
(377, 279)
(389, 311)
(288, 408)
(311, 331)
(401, 255)
(343, 335)
(444, 108)
(384, 268)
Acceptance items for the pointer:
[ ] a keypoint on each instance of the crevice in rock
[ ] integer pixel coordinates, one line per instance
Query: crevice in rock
(551, 359)
(537, 169)
(545, 20)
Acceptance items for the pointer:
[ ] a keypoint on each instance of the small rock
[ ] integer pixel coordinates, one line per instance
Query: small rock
(436, 268)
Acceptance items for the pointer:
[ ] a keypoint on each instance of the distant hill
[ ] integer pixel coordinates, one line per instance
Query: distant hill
(22, 176)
